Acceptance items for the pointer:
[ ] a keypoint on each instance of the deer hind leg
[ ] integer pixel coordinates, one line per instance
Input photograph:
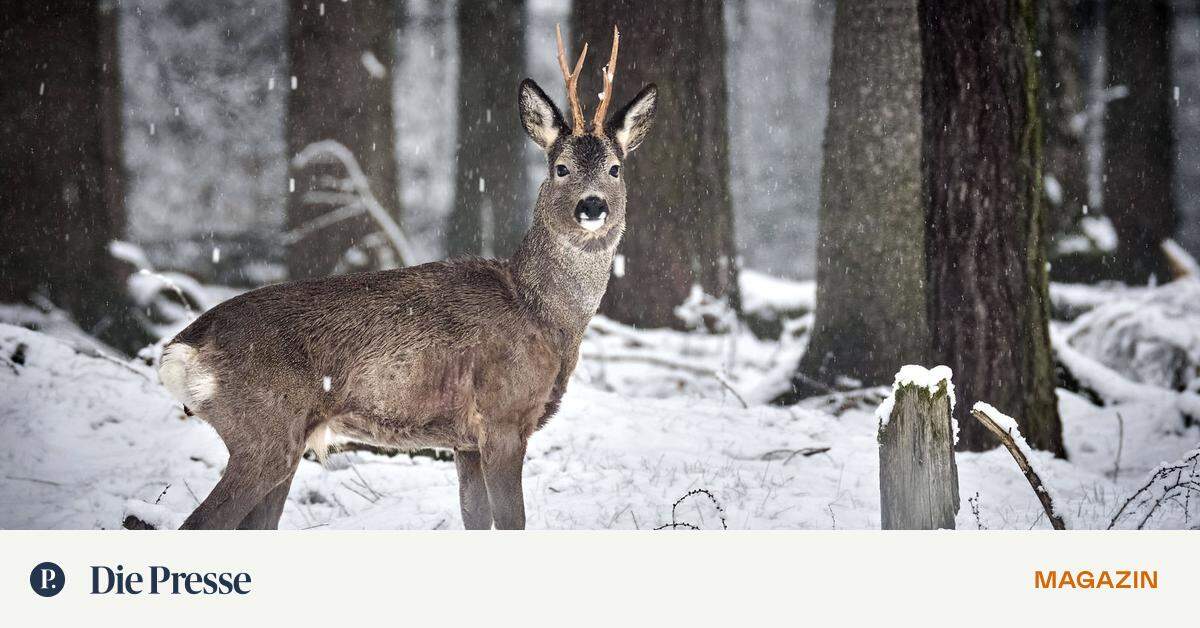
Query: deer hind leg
(258, 466)
(503, 456)
(472, 491)
(265, 516)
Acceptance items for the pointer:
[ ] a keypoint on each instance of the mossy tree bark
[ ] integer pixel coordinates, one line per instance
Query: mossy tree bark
(987, 300)
(56, 187)
(341, 57)
(1139, 153)
(491, 205)
(680, 217)
(870, 316)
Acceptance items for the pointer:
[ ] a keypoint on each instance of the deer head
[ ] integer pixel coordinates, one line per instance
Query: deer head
(583, 196)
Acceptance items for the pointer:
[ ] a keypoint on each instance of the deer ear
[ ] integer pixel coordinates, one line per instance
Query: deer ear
(539, 116)
(628, 127)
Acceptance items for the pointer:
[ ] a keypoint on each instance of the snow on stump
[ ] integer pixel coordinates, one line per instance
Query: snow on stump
(918, 478)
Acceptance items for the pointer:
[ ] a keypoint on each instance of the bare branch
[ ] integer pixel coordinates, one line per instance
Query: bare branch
(1035, 480)
(1165, 483)
(326, 150)
(655, 360)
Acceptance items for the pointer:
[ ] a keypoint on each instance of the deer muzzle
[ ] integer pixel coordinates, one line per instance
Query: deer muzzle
(591, 212)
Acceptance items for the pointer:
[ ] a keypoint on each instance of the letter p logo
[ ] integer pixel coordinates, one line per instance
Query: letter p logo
(47, 579)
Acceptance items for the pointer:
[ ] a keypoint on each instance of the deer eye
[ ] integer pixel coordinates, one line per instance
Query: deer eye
(614, 170)
(561, 170)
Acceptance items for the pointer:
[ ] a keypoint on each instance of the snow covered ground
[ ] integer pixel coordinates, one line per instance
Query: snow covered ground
(651, 415)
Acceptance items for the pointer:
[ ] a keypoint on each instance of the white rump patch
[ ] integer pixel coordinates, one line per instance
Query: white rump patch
(184, 377)
(593, 225)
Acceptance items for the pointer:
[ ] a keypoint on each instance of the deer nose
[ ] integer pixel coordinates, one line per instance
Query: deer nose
(592, 208)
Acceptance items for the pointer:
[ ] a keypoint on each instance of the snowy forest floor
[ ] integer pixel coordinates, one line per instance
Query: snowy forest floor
(87, 439)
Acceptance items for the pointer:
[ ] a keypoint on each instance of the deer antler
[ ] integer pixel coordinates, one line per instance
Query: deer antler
(610, 71)
(572, 81)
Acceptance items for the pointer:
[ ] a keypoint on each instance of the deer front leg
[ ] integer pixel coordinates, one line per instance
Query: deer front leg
(503, 456)
(472, 491)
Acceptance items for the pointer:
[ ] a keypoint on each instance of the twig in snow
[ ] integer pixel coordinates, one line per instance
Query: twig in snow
(190, 492)
(774, 454)
(974, 501)
(676, 524)
(355, 491)
(729, 386)
(1120, 446)
(363, 483)
(187, 305)
(92, 352)
(36, 480)
(668, 363)
(1035, 480)
(610, 327)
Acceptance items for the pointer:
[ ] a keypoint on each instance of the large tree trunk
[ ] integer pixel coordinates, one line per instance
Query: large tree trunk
(491, 206)
(680, 220)
(988, 304)
(870, 316)
(1139, 155)
(341, 56)
(1063, 106)
(111, 114)
(54, 182)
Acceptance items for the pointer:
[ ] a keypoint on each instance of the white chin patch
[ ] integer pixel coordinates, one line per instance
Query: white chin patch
(592, 225)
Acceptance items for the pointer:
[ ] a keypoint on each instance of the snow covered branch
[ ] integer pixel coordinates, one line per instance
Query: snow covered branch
(1004, 428)
(332, 151)
(1114, 387)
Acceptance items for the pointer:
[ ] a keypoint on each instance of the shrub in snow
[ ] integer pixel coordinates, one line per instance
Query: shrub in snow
(769, 303)
(1151, 337)
(704, 312)
(1170, 497)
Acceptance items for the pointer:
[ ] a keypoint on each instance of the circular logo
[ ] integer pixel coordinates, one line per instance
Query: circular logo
(47, 579)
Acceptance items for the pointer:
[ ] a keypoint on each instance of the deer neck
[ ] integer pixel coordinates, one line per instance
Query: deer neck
(563, 280)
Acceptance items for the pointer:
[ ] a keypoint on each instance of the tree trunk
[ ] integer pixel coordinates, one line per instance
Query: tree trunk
(870, 315)
(491, 205)
(54, 181)
(1139, 155)
(111, 127)
(680, 221)
(987, 301)
(341, 56)
(1063, 106)
(918, 477)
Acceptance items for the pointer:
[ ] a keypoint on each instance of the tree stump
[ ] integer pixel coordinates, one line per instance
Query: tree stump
(918, 478)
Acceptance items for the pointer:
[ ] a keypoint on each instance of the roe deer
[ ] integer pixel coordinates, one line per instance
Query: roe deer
(468, 354)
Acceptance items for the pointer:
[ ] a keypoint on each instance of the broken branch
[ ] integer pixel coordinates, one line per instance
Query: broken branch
(1010, 443)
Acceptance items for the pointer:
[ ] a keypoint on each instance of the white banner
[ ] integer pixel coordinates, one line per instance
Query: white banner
(598, 578)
